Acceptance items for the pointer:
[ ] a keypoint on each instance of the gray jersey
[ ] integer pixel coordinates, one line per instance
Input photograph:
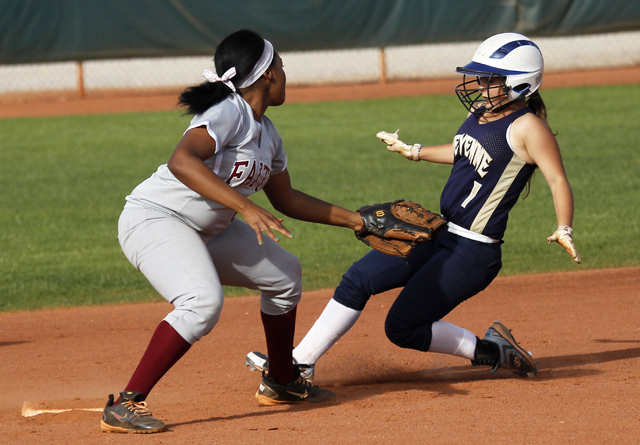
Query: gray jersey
(247, 153)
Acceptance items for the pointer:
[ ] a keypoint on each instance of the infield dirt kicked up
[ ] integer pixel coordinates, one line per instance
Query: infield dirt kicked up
(582, 327)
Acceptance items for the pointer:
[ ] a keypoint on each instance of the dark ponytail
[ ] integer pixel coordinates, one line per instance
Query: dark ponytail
(536, 103)
(241, 50)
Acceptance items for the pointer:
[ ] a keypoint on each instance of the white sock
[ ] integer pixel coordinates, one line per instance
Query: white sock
(333, 323)
(448, 338)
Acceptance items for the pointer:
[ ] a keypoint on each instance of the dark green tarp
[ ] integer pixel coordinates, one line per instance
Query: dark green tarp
(60, 30)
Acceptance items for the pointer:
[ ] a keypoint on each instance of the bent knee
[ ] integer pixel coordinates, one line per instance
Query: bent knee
(208, 310)
(196, 316)
(408, 333)
(353, 290)
(396, 335)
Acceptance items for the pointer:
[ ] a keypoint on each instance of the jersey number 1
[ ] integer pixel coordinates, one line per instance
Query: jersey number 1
(474, 192)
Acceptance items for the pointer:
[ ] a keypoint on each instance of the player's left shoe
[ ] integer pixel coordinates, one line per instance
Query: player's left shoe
(130, 415)
(257, 361)
(512, 356)
(299, 391)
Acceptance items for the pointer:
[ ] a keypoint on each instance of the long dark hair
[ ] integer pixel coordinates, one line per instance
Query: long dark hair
(536, 103)
(241, 50)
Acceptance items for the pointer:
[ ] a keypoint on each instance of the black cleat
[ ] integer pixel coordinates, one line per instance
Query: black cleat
(296, 392)
(130, 415)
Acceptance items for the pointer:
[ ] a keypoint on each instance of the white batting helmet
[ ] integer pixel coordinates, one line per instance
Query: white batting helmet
(514, 57)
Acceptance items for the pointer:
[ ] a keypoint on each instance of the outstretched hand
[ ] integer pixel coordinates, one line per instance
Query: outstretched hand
(264, 222)
(564, 236)
(411, 152)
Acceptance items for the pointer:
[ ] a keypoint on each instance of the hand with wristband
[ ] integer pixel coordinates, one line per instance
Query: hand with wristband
(411, 152)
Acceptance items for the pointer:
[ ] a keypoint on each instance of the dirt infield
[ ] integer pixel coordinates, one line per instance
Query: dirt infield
(582, 327)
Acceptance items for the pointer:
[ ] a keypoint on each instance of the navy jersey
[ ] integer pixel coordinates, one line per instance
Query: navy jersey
(487, 177)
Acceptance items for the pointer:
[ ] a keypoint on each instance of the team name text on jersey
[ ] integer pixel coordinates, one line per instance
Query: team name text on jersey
(257, 175)
(470, 148)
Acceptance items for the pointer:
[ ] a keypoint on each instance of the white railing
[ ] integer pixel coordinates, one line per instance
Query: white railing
(314, 67)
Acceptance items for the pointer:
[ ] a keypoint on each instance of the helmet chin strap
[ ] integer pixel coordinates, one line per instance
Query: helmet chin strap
(502, 105)
(494, 109)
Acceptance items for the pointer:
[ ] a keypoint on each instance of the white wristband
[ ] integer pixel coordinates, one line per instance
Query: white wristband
(567, 229)
(415, 152)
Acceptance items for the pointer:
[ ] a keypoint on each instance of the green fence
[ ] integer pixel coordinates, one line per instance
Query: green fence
(35, 31)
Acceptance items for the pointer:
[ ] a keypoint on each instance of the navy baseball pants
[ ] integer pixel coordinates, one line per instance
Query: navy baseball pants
(437, 276)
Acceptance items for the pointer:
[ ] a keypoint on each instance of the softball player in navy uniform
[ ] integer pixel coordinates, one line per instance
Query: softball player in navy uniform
(179, 228)
(494, 154)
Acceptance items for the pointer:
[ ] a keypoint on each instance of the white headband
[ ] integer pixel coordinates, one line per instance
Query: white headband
(260, 67)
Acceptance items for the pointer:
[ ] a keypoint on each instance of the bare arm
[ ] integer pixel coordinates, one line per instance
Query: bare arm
(539, 146)
(187, 165)
(440, 154)
(534, 142)
(299, 205)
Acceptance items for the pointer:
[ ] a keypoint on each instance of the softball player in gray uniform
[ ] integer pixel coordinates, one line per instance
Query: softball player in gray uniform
(496, 150)
(179, 228)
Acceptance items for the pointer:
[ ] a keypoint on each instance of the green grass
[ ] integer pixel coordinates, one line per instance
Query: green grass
(64, 180)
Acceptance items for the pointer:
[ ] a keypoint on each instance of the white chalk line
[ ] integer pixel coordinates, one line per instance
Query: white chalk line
(28, 411)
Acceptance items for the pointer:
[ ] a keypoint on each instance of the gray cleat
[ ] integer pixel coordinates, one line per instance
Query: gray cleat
(512, 356)
(130, 415)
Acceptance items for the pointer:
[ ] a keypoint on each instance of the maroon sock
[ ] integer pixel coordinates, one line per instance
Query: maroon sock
(165, 349)
(279, 331)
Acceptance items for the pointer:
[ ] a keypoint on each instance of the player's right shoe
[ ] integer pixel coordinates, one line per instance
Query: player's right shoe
(299, 391)
(257, 361)
(130, 415)
(512, 356)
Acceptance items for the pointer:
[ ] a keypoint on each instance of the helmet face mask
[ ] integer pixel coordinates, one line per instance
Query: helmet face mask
(478, 98)
(515, 59)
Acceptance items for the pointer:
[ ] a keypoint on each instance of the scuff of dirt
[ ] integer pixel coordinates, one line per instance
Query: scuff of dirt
(582, 327)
